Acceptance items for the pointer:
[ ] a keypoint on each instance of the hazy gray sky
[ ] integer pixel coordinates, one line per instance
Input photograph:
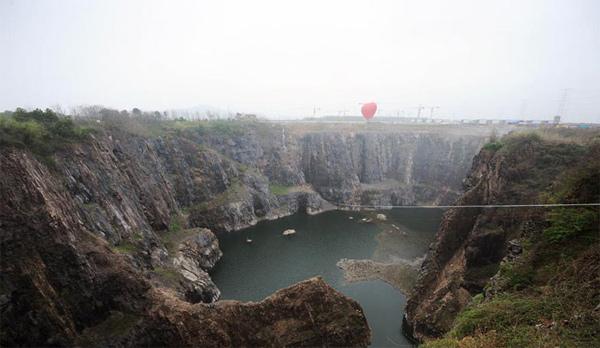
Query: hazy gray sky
(282, 58)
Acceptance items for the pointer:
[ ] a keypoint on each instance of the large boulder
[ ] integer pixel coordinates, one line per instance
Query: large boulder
(195, 256)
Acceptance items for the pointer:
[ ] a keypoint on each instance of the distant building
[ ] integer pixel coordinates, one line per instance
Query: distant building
(556, 119)
(240, 116)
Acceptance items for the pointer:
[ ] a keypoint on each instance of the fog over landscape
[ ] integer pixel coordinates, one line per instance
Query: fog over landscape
(390, 173)
(473, 59)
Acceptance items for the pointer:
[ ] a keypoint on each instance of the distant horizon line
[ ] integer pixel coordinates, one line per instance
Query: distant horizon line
(206, 109)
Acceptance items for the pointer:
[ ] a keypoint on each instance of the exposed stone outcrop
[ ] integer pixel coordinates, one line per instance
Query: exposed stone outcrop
(63, 285)
(471, 242)
(226, 177)
(202, 248)
(294, 316)
(400, 275)
(90, 241)
(387, 168)
(195, 256)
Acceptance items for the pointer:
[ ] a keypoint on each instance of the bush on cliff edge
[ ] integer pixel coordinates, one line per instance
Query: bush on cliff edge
(41, 132)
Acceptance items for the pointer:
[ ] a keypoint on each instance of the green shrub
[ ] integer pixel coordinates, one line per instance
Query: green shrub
(570, 222)
(520, 141)
(176, 224)
(501, 314)
(226, 127)
(477, 299)
(517, 276)
(493, 146)
(41, 132)
(176, 233)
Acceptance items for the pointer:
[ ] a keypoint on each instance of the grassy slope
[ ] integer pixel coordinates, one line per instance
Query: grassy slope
(550, 295)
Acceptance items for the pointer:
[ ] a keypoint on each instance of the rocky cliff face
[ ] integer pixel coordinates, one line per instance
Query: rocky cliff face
(64, 284)
(349, 166)
(471, 242)
(224, 179)
(194, 257)
(387, 168)
(121, 224)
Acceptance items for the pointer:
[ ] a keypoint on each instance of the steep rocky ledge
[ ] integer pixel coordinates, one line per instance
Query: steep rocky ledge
(121, 223)
(471, 243)
(226, 181)
(63, 285)
(388, 168)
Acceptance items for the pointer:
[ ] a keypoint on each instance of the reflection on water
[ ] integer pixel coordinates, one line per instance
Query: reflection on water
(252, 271)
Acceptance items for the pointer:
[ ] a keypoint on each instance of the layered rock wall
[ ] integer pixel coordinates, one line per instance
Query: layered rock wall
(387, 168)
(471, 242)
(111, 229)
(63, 284)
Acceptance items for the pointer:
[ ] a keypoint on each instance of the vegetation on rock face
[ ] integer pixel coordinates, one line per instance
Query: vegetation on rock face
(42, 132)
(176, 233)
(125, 247)
(566, 223)
(232, 194)
(559, 311)
(567, 140)
(279, 190)
(493, 146)
(549, 295)
(156, 124)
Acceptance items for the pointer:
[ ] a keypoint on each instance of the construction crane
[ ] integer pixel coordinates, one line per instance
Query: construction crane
(431, 110)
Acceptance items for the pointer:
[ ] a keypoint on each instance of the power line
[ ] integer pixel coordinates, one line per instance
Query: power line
(471, 206)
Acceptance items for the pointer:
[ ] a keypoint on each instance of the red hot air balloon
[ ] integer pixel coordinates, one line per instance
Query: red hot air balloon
(368, 110)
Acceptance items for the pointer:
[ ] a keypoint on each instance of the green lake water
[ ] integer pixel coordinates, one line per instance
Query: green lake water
(252, 271)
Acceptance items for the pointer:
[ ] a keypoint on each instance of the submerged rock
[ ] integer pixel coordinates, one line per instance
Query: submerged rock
(400, 274)
(381, 217)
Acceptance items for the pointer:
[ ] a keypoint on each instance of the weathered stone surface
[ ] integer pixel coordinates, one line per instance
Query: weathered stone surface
(202, 248)
(195, 256)
(63, 285)
(471, 242)
(84, 244)
(387, 168)
(290, 317)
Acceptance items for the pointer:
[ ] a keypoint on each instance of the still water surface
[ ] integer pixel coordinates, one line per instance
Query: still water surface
(250, 272)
